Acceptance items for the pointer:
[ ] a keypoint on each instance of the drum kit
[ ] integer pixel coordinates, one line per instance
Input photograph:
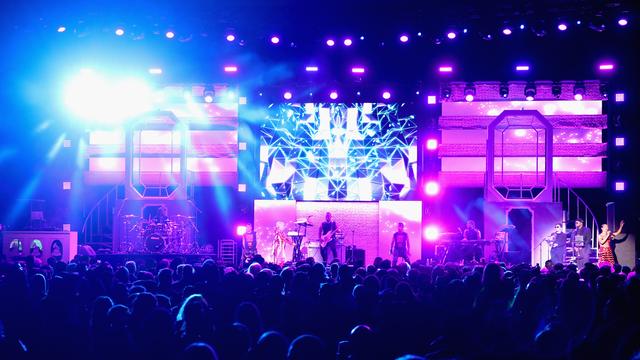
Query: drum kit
(174, 235)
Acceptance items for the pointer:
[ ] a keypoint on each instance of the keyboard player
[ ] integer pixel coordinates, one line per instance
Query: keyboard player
(471, 250)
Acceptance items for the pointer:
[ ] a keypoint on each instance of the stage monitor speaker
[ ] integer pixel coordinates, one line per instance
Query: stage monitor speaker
(354, 256)
(62, 245)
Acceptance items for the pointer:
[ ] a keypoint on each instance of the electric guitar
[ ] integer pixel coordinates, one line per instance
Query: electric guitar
(324, 239)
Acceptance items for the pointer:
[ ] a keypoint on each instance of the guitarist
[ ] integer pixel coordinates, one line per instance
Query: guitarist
(327, 237)
(249, 245)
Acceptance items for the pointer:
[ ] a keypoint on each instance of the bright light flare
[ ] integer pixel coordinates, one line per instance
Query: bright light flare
(431, 233)
(432, 188)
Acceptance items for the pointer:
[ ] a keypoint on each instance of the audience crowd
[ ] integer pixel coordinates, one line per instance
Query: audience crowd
(171, 309)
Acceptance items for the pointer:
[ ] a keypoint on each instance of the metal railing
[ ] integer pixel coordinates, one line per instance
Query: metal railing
(575, 207)
(99, 217)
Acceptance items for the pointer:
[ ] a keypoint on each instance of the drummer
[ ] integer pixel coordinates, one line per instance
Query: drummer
(161, 215)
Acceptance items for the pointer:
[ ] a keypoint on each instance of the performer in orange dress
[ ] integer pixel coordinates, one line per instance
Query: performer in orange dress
(605, 254)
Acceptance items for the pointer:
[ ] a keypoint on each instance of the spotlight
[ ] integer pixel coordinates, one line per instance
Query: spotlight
(469, 92)
(431, 100)
(521, 26)
(432, 188)
(432, 144)
(208, 96)
(357, 70)
(361, 37)
(155, 71)
(606, 67)
(522, 68)
(231, 68)
(620, 186)
(231, 37)
(330, 42)
(241, 230)
(604, 91)
(530, 92)
(287, 95)
(562, 27)
(619, 97)
(578, 22)
(506, 31)
(333, 95)
(119, 31)
(451, 35)
(275, 39)
(504, 90)
(62, 29)
(170, 34)
(348, 42)
(311, 69)
(445, 69)
(556, 90)
(431, 233)
(386, 95)
(446, 92)
(578, 91)
(404, 38)
(464, 31)
(623, 22)
(619, 141)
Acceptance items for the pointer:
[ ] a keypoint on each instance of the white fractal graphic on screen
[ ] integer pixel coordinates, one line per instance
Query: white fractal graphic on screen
(330, 151)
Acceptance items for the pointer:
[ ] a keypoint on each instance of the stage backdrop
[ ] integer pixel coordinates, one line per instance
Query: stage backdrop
(367, 225)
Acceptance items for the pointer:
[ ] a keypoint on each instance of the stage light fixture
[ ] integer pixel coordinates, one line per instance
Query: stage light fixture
(241, 230)
(311, 69)
(445, 69)
(605, 67)
(530, 92)
(231, 37)
(556, 90)
(619, 97)
(361, 37)
(620, 186)
(119, 31)
(357, 70)
(330, 42)
(432, 144)
(562, 26)
(333, 95)
(469, 92)
(348, 42)
(522, 67)
(275, 40)
(446, 92)
(208, 97)
(432, 188)
(230, 68)
(506, 31)
(404, 38)
(451, 35)
(386, 95)
(155, 71)
(623, 22)
(521, 26)
(619, 141)
(578, 91)
(62, 29)
(431, 233)
(170, 34)
(464, 31)
(604, 90)
(504, 90)
(578, 22)
(431, 100)
(287, 95)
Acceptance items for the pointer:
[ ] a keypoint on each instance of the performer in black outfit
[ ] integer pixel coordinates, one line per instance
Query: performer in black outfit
(581, 240)
(558, 245)
(249, 246)
(327, 227)
(471, 233)
(161, 215)
(400, 245)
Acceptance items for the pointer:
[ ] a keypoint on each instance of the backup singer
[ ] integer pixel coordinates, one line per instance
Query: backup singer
(280, 241)
(558, 244)
(605, 254)
(581, 239)
(249, 246)
(400, 245)
(328, 229)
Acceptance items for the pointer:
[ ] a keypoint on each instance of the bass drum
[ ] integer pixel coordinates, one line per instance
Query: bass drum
(154, 243)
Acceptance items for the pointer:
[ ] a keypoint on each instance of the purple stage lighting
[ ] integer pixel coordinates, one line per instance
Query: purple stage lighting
(275, 40)
(333, 95)
(431, 100)
(431, 233)
(522, 68)
(287, 95)
(619, 97)
(404, 38)
(230, 68)
(432, 144)
(386, 95)
(311, 68)
(241, 230)
(620, 141)
(468, 97)
(578, 97)
(445, 69)
(231, 37)
(62, 29)
(506, 31)
(623, 22)
(330, 42)
(451, 35)
(606, 67)
(562, 27)
(348, 42)
(432, 188)
(620, 186)
(119, 31)
(357, 70)
(170, 34)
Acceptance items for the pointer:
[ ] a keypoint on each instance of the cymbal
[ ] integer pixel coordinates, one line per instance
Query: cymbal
(507, 227)
(185, 216)
(129, 216)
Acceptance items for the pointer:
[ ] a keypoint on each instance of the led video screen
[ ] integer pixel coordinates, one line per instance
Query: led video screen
(338, 151)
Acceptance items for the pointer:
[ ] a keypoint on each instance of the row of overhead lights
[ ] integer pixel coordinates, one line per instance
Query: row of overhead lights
(530, 91)
(348, 41)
